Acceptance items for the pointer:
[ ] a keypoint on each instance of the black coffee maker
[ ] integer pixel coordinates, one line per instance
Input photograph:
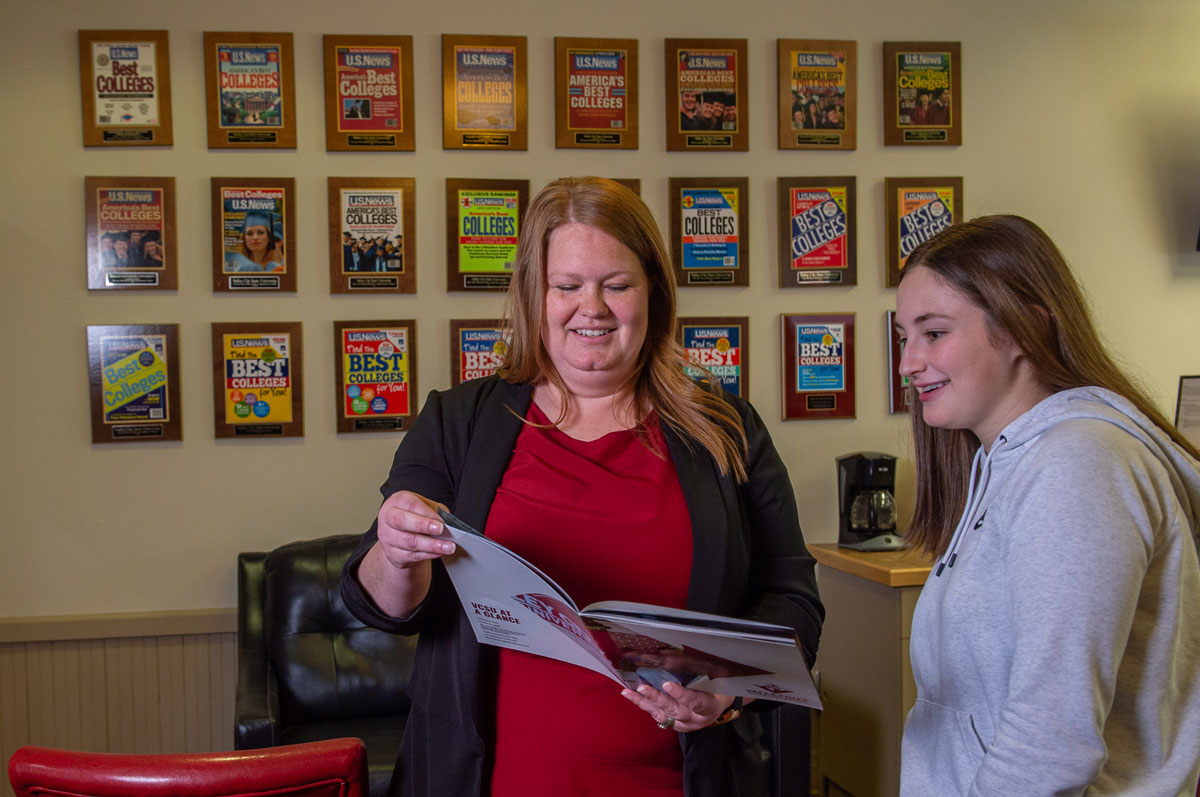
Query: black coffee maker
(867, 503)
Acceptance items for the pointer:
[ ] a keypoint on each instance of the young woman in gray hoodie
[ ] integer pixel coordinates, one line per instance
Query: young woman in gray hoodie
(1056, 644)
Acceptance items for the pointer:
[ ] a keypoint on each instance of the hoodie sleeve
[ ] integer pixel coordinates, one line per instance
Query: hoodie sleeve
(1080, 520)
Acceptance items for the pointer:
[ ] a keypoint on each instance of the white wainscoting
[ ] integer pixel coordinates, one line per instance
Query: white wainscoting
(146, 683)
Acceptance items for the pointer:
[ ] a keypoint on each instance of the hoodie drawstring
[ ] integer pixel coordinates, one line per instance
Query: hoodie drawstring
(981, 471)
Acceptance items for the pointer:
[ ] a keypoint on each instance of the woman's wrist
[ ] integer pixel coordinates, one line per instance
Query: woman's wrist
(730, 714)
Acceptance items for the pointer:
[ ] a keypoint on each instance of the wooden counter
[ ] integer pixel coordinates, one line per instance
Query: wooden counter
(907, 568)
(866, 681)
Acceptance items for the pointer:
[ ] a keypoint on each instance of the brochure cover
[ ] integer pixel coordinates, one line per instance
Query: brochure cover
(512, 604)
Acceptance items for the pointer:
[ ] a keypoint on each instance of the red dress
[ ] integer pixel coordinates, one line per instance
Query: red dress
(607, 520)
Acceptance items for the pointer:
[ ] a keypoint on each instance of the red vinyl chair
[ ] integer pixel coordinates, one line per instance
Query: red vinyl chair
(332, 768)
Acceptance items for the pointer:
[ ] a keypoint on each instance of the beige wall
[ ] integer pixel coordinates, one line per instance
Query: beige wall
(1081, 115)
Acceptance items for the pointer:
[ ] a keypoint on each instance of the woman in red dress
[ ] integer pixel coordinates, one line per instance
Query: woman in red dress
(593, 455)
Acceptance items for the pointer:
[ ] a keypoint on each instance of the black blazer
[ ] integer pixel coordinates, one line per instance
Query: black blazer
(748, 560)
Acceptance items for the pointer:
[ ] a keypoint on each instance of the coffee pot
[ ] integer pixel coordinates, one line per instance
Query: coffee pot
(867, 503)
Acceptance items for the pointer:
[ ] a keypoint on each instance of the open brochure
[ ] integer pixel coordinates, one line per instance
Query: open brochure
(512, 604)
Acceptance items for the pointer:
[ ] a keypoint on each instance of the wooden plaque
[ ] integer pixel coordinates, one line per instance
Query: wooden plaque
(125, 82)
(484, 92)
(372, 235)
(818, 94)
(483, 220)
(719, 344)
(710, 230)
(818, 366)
(922, 93)
(898, 392)
(818, 231)
(477, 347)
(250, 90)
(634, 184)
(375, 375)
(258, 379)
(246, 259)
(368, 94)
(595, 93)
(917, 208)
(131, 233)
(133, 375)
(1187, 408)
(708, 103)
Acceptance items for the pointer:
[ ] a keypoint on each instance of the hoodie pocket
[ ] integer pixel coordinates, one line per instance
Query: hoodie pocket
(942, 750)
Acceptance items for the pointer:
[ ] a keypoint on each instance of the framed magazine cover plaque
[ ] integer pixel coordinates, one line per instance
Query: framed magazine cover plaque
(922, 93)
(818, 94)
(818, 231)
(595, 93)
(634, 184)
(917, 208)
(368, 93)
(483, 220)
(131, 233)
(477, 347)
(818, 366)
(250, 94)
(254, 234)
(258, 379)
(125, 83)
(372, 235)
(719, 346)
(484, 94)
(1187, 408)
(898, 393)
(710, 230)
(375, 363)
(133, 377)
(708, 104)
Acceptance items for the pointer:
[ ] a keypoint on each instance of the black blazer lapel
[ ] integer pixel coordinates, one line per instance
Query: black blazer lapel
(708, 509)
(492, 440)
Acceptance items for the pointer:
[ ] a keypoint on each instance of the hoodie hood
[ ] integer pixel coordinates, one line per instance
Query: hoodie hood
(1081, 402)
(1105, 405)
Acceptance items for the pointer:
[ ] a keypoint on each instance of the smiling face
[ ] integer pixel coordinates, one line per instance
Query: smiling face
(256, 238)
(966, 376)
(596, 309)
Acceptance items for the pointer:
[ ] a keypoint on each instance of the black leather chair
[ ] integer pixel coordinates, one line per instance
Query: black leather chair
(307, 669)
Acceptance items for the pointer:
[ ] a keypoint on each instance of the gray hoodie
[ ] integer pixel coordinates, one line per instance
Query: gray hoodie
(1056, 646)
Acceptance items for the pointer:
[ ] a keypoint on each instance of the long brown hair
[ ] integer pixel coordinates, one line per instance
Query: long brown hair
(660, 381)
(1009, 267)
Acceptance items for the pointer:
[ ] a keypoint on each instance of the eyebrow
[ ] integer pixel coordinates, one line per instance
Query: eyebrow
(568, 274)
(925, 317)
